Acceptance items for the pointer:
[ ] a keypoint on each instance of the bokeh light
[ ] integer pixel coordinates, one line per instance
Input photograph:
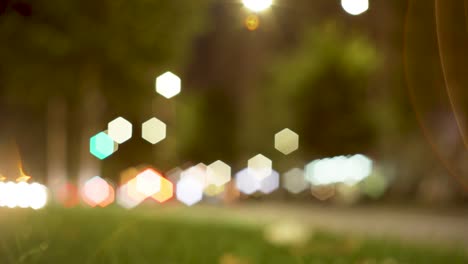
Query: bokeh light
(294, 181)
(375, 185)
(260, 166)
(68, 195)
(133, 193)
(246, 182)
(101, 145)
(341, 169)
(168, 85)
(148, 182)
(23, 195)
(120, 130)
(96, 191)
(166, 191)
(189, 191)
(196, 173)
(153, 130)
(270, 183)
(355, 7)
(218, 173)
(286, 141)
(252, 22)
(128, 174)
(124, 197)
(257, 5)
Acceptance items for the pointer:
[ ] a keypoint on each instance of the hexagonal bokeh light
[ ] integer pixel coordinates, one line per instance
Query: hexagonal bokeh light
(189, 191)
(197, 173)
(294, 181)
(257, 5)
(101, 145)
(218, 173)
(286, 141)
(153, 130)
(168, 85)
(166, 191)
(96, 191)
(270, 183)
(148, 182)
(246, 183)
(120, 130)
(260, 166)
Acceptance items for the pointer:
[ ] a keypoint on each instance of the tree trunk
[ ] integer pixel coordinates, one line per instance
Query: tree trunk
(56, 143)
(90, 111)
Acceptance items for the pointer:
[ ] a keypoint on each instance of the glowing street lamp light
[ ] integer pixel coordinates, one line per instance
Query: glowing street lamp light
(355, 7)
(257, 5)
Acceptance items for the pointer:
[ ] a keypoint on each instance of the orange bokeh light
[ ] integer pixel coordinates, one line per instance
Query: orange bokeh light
(68, 195)
(252, 22)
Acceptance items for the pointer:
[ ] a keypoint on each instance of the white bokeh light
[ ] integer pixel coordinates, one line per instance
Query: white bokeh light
(153, 130)
(218, 173)
(349, 170)
(286, 141)
(189, 191)
(10, 195)
(23, 195)
(120, 130)
(270, 183)
(246, 183)
(294, 181)
(355, 7)
(257, 5)
(196, 173)
(148, 182)
(260, 166)
(38, 196)
(95, 191)
(168, 85)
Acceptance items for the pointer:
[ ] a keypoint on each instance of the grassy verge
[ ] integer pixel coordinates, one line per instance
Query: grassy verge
(117, 236)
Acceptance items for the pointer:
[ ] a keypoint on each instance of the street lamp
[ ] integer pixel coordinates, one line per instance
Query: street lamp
(355, 7)
(257, 5)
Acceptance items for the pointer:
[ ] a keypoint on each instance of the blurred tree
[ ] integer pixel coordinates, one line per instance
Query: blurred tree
(83, 58)
(320, 89)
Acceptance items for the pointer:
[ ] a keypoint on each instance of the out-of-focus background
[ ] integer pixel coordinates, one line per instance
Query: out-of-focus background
(348, 116)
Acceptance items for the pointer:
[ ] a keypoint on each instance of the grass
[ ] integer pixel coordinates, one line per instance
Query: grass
(117, 236)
